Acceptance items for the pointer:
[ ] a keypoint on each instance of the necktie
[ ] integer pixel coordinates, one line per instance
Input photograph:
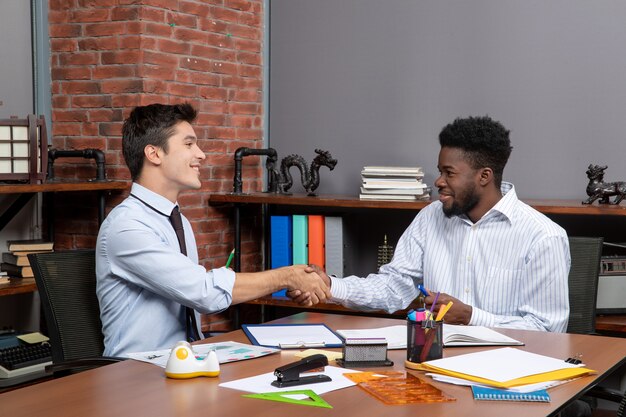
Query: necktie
(190, 317)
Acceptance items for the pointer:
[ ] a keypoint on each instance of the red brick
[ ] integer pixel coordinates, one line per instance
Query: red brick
(249, 19)
(189, 35)
(249, 134)
(59, 102)
(179, 19)
(89, 129)
(91, 101)
(98, 44)
(157, 58)
(221, 40)
(105, 29)
(97, 3)
(212, 25)
(114, 71)
(86, 143)
(89, 15)
(81, 58)
(246, 32)
(239, 82)
(105, 115)
(69, 116)
(152, 14)
(80, 87)
(122, 86)
(121, 57)
(242, 5)
(125, 13)
(194, 7)
(64, 31)
(221, 132)
(186, 90)
(211, 119)
(110, 129)
(214, 107)
(250, 71)
(63, 45)
(247, 45)
(158, 29)
(157, 71)
(249, 58)
(65, 129)
(225, 14)
(132, 42)
(244, 108)
(174, 47)
(251, 95)
(210, 52)
(155, 87)
(213, 93)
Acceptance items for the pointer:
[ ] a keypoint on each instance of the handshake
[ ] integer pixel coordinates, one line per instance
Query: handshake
(309, 284)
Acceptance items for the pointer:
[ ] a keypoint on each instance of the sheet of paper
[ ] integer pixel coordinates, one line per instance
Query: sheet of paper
(330, 354)
(455, 335)
(396, 335)
(502, 364)
(306, 336)
(263, 383)
(226, 352)
(32, 338)
(521, 388)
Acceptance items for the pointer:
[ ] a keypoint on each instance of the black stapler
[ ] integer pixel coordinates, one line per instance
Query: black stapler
(289, 375)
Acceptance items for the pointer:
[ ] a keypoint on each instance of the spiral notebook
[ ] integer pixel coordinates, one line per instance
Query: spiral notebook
(496, 394)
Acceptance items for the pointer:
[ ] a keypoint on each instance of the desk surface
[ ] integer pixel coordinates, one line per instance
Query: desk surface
(134, 388)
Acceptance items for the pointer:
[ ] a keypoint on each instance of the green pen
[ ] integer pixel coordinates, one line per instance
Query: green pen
(230, 258)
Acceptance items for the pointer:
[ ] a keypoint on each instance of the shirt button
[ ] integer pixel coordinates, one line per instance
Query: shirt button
(467, 290)
(469, 259)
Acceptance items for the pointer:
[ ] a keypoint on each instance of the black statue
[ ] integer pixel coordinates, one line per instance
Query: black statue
(310, 178)
(598, 189)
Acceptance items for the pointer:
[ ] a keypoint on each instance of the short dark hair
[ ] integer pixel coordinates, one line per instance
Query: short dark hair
(151, 125)
(484, 141)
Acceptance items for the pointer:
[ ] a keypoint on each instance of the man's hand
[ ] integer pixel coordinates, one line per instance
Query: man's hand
(302, 297)
(307, 287)
(459, 313)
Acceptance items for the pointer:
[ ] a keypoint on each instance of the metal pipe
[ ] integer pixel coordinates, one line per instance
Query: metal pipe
(272, 158)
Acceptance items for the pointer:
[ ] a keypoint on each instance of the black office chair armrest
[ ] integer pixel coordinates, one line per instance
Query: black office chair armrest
(608, 394)
(81, 364)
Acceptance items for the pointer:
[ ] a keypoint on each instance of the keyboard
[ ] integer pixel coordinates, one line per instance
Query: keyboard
(24, 362)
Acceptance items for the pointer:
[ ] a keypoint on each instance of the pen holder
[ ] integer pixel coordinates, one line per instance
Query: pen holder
(424, 342)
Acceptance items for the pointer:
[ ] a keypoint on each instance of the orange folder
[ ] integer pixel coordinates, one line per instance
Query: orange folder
(316, 241)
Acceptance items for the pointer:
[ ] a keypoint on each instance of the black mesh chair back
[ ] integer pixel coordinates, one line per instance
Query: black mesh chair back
(583, 283)
(66, 281)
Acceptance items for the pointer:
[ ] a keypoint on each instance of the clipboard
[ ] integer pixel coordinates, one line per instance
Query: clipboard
(292, 336)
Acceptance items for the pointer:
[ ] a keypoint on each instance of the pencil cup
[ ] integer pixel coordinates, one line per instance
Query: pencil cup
(424, 341)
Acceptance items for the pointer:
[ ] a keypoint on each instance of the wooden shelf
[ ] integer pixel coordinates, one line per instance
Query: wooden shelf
(569, 207)
(17, 286)
(58, 186)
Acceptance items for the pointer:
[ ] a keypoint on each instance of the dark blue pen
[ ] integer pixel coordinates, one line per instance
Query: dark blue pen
(421, 288)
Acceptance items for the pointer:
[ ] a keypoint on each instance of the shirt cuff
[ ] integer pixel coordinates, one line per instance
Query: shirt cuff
(224, 279)
(481, 318)
(338, 289)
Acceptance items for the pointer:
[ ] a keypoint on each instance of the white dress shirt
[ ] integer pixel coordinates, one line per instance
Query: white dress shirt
(143, 281)
(511, 266)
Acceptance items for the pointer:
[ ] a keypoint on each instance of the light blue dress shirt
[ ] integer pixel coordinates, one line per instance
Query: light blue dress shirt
(511, 266)
(143, 281)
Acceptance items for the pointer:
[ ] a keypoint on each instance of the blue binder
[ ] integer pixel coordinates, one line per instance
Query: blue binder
(280, 245)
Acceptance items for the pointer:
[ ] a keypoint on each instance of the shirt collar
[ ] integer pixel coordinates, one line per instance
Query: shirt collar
(156, 201)
(508, 202)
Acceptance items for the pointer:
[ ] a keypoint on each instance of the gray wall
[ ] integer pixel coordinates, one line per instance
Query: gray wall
(375, 81)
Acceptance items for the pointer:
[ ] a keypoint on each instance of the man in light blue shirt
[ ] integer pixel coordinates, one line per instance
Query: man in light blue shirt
(144, 282)
(501, 262)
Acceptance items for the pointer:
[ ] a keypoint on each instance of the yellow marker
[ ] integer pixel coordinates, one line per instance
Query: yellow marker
(443, 311)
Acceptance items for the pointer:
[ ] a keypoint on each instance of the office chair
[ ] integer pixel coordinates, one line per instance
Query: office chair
(66, 281)
(583, 290)
(583, 283)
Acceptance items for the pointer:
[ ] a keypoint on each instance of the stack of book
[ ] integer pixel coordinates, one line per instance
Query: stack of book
(393, 183)
(15, 262)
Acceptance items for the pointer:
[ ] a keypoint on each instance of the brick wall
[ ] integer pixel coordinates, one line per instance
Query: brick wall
(108, 56)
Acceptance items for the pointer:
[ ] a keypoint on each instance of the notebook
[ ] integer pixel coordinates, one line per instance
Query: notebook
(495, 394)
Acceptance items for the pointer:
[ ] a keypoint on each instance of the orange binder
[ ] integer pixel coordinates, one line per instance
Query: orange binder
(316, 241)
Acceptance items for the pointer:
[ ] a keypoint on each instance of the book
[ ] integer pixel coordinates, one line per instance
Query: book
(316, 241)
(300, 239)
(392, 170)
(456, 335)
(497, 394)
(281, 251)
(29, 245)
(394, 191)
(15, 259)
(377, 184)
(409, 197)
(334, 245)
(17, 271)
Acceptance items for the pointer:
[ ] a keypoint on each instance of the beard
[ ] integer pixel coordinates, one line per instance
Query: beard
(462, 205)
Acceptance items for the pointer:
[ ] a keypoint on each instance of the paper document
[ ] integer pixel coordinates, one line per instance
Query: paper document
(395, 335)
(454, 335)
(263, 383)
(226, 352)
(294, 336)
(505, 367)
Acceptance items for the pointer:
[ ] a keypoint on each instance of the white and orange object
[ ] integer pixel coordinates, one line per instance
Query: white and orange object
(184, 364)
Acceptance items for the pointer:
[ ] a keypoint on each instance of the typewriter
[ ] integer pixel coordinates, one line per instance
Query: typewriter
(21, 361)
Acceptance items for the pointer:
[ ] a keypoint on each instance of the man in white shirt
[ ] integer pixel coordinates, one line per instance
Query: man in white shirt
(498, 260)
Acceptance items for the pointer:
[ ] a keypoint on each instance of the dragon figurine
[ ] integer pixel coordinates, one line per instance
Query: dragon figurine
(310, 177)
(598, 189)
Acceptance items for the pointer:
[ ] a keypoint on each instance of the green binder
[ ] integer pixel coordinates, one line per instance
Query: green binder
(300, 239)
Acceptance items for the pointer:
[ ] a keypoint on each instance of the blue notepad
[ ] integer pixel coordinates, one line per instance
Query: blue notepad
(497, 394)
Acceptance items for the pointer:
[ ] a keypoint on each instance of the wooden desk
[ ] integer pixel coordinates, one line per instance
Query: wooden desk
(136, 389)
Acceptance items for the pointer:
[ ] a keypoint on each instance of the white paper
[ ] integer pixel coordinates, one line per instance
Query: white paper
(304, 336)
(226, 352)
(521, 388)
(263, 383)
(396, 335)
(501, 365)
(474, 336)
